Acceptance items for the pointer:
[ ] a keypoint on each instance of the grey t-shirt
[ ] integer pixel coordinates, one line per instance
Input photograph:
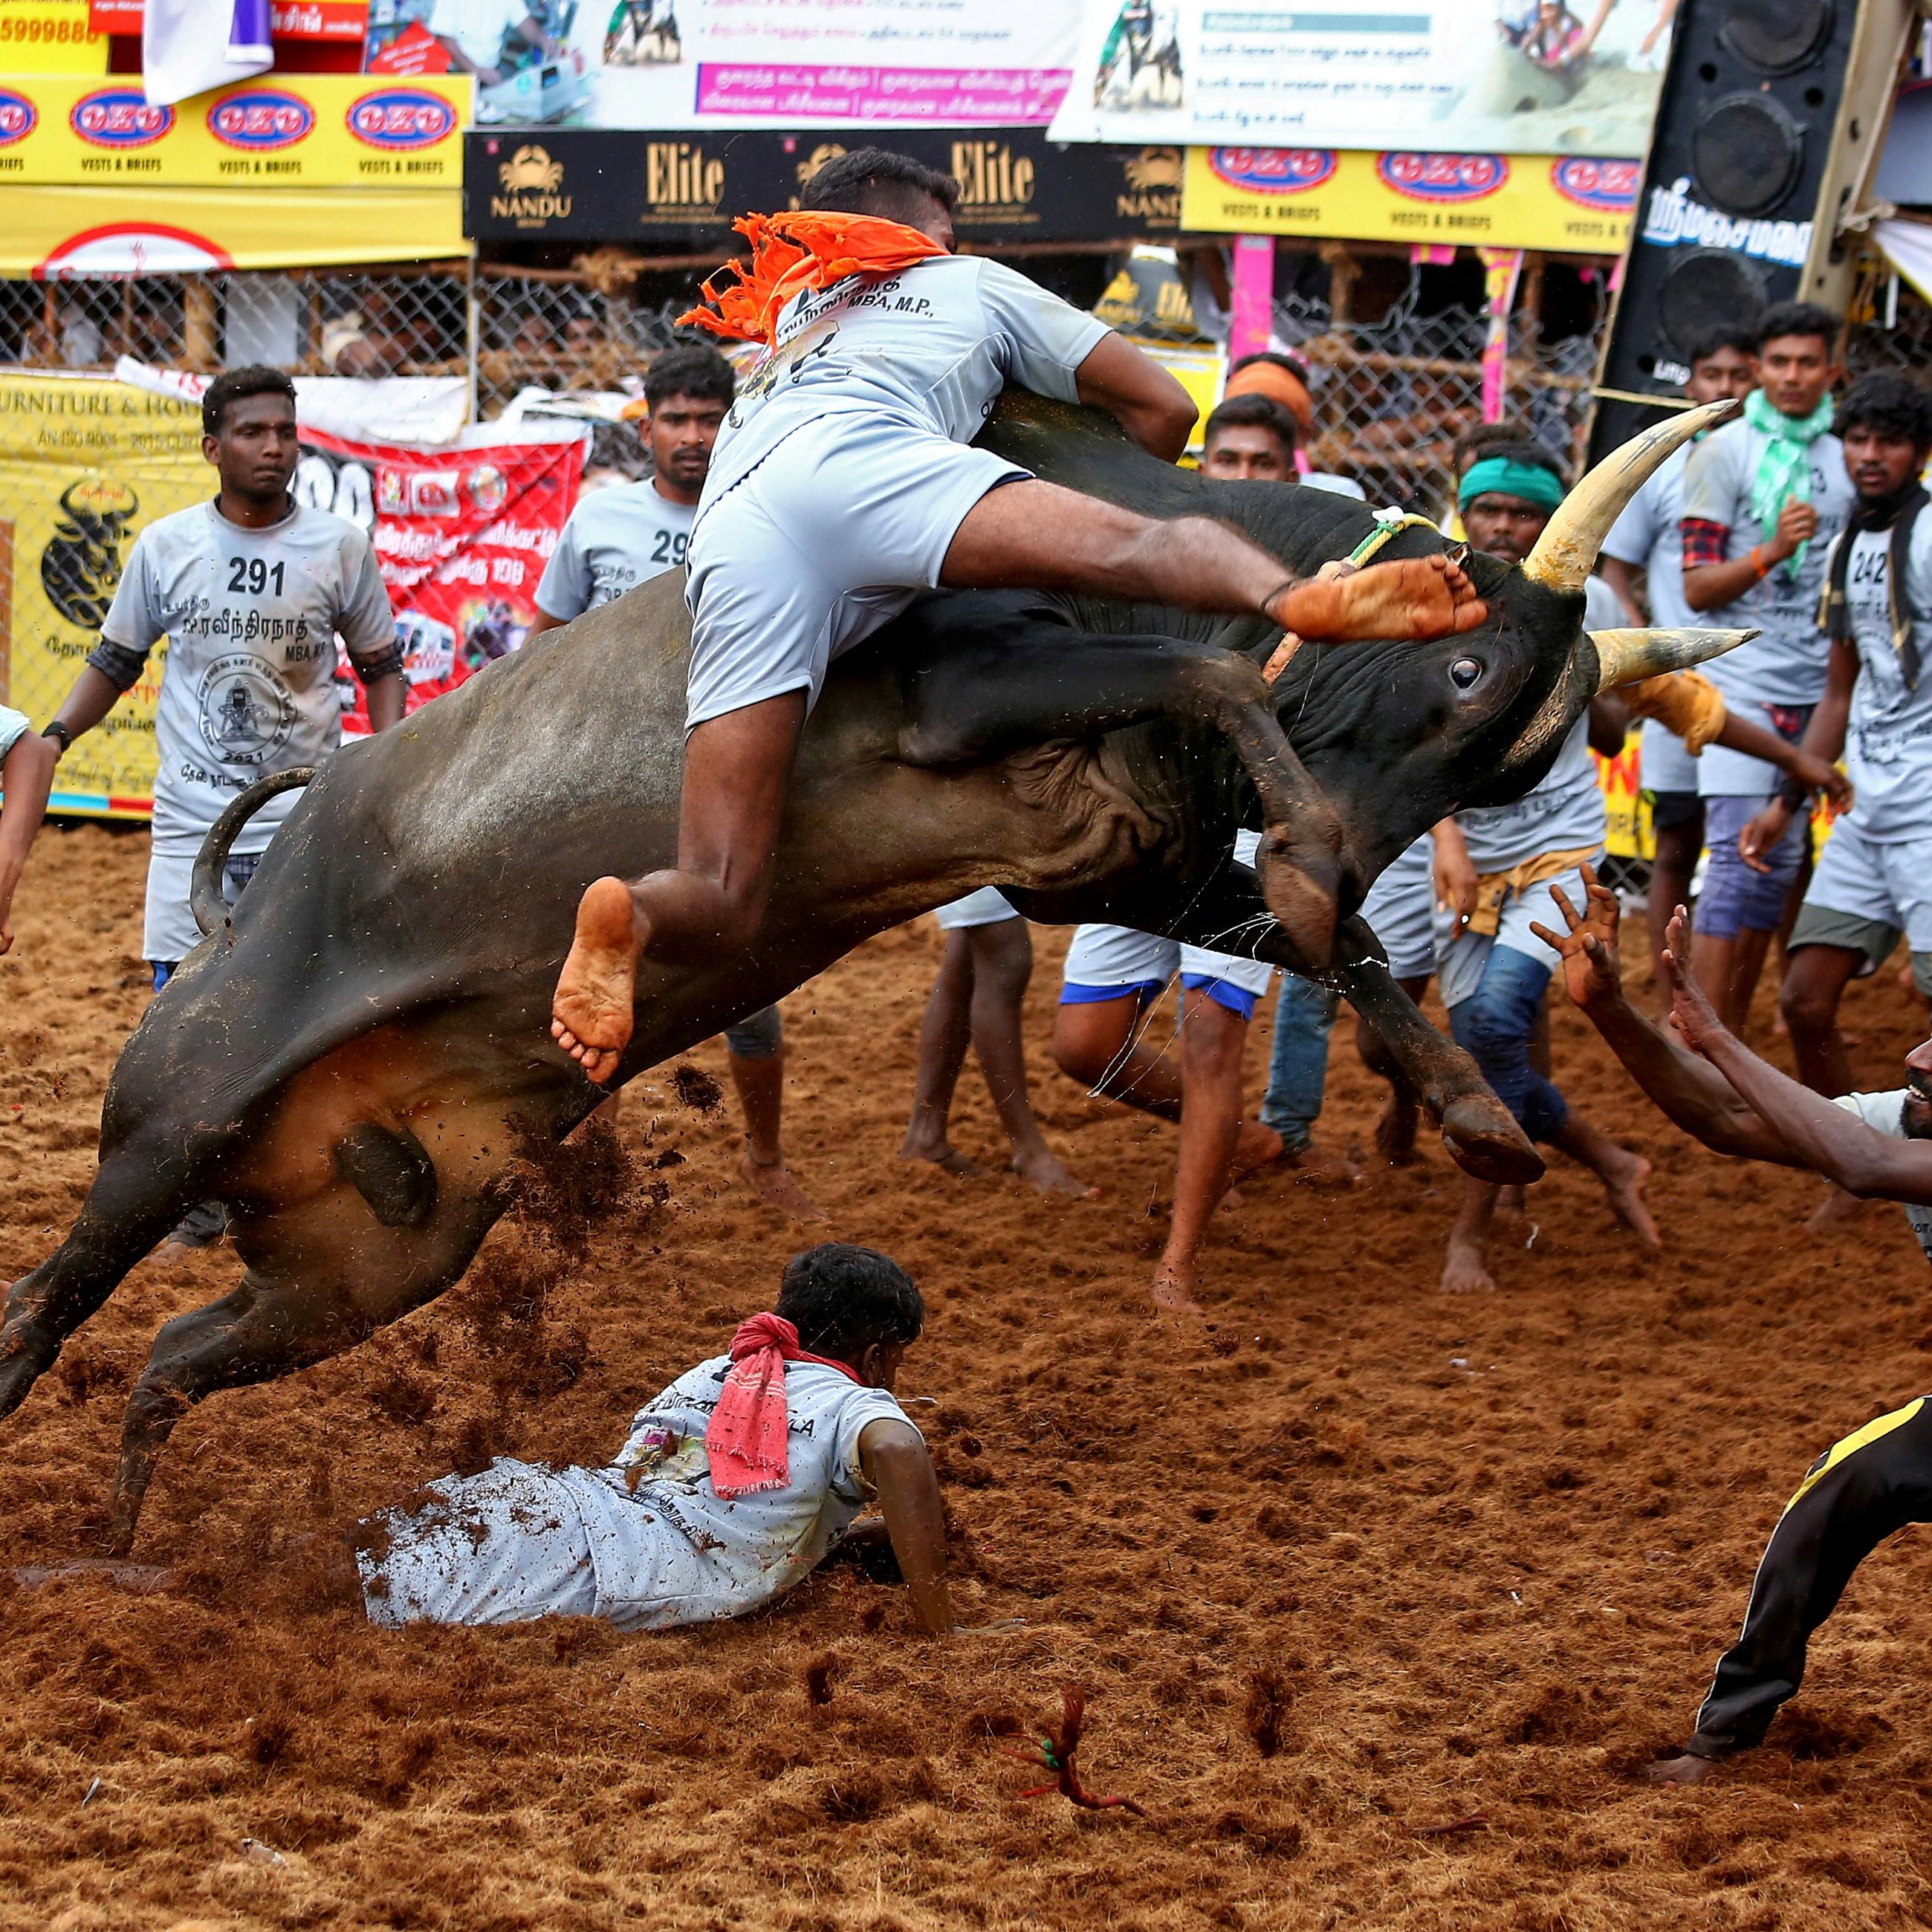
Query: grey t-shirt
(1884, 1114)
(251, 618)
(1785, 665)
(615, 537)
(1649, 537)
(1888, 737)
(929, 348)
(14, 725)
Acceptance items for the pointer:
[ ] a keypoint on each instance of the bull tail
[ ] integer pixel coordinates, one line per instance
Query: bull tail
(205, 899)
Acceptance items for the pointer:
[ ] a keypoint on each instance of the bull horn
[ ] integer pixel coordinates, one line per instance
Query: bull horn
(1627, 657)
(1566, 552)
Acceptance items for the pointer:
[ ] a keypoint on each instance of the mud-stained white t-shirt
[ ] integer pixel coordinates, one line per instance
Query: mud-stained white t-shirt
(1889, 735)
(615, 537)
(14, 725)
(250, 617)
(929, 348)
(1884, 1114)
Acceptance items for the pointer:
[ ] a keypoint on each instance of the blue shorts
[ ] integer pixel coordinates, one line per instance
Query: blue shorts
(1735, 899)
(1115, 962)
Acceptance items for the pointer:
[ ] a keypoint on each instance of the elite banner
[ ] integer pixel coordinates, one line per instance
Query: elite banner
(277, 130)
(684, 64)
(461, 537)
(581, 185)
(1575, 203)
(1510, 75)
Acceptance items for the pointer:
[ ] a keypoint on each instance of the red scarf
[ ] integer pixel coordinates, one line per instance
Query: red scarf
(809, 248)
(746, 1438)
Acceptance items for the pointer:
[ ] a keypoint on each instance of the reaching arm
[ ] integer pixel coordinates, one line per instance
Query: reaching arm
(1820, 1136)
(1622, 579)
(94, 695)
(1808, 761)
(895, 1462)
(1138, 393)
(27, 772)
(1694, 1095)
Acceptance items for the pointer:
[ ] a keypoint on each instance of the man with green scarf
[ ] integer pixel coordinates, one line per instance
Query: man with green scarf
(1764, 499)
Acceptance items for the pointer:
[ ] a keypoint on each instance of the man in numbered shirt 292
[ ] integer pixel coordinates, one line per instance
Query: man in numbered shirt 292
(250, 590)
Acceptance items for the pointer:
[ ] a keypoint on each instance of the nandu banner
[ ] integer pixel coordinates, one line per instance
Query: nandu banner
(461, 537)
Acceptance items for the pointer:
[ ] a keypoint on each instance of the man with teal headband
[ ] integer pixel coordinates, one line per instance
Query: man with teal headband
(1764, 499)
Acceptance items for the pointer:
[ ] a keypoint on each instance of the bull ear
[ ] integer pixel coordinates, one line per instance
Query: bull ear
(1626, 657)
(1566, 552)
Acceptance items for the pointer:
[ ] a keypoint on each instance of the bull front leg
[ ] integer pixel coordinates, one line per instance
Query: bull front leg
(1481, 1135)
(994, 678)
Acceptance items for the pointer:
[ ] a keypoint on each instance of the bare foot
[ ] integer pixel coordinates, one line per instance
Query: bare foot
(1173, 1288)
(1395, 1132)
(1465, 1271)
(1623, 1182)
(944, 1155)
(592, 1009)
(771, 1181)
(1043, 1170)
(1419, 597)
(1316, 1167)
(1684, 1769)
(1257, 1146)
(1837, 1212)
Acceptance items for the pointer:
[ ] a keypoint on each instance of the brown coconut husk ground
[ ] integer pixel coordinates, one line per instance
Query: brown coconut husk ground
(1379, 1599)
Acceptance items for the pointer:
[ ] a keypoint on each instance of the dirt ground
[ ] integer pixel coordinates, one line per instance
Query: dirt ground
(1378, 1598)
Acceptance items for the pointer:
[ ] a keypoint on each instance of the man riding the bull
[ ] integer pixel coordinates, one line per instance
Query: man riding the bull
(842, 485)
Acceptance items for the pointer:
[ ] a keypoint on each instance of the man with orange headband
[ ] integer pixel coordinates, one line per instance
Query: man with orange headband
(844, 483)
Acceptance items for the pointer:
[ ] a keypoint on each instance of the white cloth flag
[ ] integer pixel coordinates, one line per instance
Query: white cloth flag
(188, 46)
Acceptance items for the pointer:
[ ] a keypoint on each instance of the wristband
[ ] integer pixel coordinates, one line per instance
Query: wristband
(1761, 567)
(59, 732)
(1794, 794)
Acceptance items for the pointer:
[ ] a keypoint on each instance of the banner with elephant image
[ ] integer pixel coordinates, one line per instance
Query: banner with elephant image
(461, 536)
(1514, 76)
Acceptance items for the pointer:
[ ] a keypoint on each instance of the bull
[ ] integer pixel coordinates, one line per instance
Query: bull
(351, 1057)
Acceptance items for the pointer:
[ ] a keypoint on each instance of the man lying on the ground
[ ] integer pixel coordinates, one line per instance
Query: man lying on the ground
(732, 1485)
(1878, 1146)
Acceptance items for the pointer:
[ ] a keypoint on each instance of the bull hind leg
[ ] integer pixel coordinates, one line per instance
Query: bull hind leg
(995, 678)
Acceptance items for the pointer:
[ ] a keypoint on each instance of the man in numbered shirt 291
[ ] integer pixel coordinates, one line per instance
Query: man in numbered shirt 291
(250, 590)
(633, 532)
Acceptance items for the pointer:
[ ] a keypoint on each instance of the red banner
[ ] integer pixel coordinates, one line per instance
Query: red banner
(288, 19)
(461, 537)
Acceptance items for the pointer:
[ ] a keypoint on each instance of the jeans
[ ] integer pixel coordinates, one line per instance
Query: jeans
(1493, 1026)
(1304, 1016)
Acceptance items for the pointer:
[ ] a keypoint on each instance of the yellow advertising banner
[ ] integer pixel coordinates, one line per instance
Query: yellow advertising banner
(84, 467)
(60, 234)
(49, 37)
(296, 129)
(1562, 203)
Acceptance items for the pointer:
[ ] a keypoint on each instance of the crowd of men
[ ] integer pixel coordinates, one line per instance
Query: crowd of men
(1800, 520)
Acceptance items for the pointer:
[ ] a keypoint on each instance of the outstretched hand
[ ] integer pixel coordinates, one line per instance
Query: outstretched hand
(1417, 598)
(1694, 1016)
(1763, 834)
(1592, 967)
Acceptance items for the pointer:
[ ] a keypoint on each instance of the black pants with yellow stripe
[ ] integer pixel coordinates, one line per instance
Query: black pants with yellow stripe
(1877, 1480)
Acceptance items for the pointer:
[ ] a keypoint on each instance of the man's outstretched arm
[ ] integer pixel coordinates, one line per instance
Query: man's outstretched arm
(1694, 1095)
(894, 1461)
(1138, 393)
(1820, 1135)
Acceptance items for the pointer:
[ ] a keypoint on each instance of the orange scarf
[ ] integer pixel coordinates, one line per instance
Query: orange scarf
(809, 248)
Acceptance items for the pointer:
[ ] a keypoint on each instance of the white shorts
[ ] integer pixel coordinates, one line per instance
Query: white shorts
(1461, 956)
(501, 1547)
(1107, 962)
(1664, 764)
(1890, 884)
(829, 538)
(1400, 910)
(987, 906)
(169, 933)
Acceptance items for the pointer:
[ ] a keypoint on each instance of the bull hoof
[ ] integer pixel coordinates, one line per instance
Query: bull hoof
(18, 1374)
(1484, 1141)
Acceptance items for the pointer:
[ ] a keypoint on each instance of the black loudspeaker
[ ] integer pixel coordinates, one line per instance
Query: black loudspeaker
(1772, 113)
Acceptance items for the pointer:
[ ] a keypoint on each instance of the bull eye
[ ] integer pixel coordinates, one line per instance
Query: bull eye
(1464, 672)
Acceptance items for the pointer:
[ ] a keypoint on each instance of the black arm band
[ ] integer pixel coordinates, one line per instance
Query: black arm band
(387, 663)
(1794, 794)
(121, 665)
